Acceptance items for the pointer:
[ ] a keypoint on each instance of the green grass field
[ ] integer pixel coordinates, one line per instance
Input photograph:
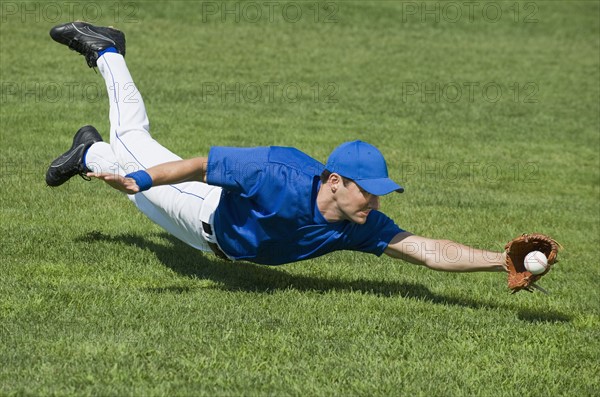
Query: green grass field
(490, 121)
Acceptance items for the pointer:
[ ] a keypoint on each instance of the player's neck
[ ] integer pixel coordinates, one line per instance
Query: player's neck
(327, 205)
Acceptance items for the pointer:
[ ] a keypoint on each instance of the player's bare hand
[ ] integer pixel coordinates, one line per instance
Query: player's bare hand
(125, 185)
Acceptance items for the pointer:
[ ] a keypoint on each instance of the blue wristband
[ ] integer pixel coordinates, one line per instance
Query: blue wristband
(142, 179)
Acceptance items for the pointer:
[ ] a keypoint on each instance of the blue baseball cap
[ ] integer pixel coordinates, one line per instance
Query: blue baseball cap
(365, 165)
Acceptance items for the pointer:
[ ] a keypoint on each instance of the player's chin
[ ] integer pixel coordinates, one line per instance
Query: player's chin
(361, 217)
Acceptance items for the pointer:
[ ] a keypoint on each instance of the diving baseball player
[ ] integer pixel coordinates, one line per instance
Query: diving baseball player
(267, 205)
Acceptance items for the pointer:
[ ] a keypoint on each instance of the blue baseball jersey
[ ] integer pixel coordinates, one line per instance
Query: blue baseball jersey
(268, 210)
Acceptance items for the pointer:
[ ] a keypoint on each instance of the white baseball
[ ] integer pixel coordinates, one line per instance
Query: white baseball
(536, 262)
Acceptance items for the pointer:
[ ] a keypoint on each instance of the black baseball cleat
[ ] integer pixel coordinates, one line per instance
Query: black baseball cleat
(70, 163)
(88, 39)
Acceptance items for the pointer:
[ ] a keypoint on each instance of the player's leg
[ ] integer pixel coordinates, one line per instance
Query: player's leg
(129, 126)
(177, 207)
(181, 217)
(105, 48)
(100, 158)
(135, 149)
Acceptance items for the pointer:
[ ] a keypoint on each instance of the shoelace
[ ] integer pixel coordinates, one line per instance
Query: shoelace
(90, 55)
(82, 171)
(83, 176)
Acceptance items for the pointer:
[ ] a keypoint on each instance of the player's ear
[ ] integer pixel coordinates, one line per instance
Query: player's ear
(334, 181)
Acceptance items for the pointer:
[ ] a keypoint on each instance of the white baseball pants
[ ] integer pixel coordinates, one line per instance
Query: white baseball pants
(176, 208)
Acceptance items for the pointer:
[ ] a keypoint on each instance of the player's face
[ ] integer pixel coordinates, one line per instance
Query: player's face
(355, 203)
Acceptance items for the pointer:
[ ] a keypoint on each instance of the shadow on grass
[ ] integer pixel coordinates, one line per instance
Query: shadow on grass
(246, 276)
(534, 316)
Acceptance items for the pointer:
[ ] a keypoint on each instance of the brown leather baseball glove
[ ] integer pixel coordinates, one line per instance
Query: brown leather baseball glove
(518, 277)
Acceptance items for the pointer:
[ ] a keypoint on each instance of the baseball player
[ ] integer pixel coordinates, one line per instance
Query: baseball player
(267, 205)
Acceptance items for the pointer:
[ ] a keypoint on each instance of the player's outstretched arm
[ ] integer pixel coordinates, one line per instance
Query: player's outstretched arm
(444, 255)
(163, 174)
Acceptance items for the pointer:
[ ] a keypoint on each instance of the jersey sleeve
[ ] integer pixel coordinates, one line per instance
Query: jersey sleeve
(374, 236)
(240, 170)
